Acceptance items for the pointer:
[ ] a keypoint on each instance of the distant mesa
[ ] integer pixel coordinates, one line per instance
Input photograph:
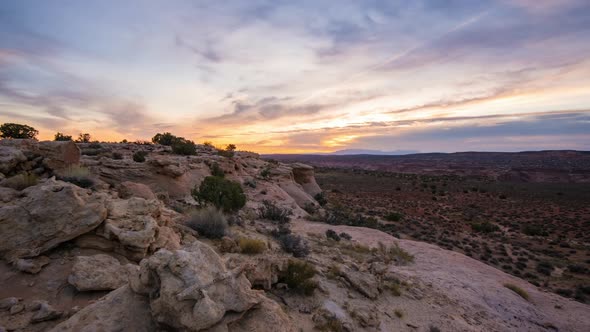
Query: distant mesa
(372, 152)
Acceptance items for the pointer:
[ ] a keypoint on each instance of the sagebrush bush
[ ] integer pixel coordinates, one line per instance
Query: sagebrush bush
(270, 211)
(321, 199)
(298, 277)
(251, 246)
(485, 227)
(139, 156)
(394, 216)
(521, 292)
(294, 244)
(224, 194)
(208, 222)
(21, 181)
(184, 147)
(331, 234)
(77, 175)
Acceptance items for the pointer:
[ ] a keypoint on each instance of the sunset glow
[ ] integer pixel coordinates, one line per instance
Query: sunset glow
(303, 76)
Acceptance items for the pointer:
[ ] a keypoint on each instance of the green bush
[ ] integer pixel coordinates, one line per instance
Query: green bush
(394, 216)
(164, 139)
(298, 277)
(62, 137)
(228, 152)
(534, 230)
(217, 171)
(184, 147)
(521, 292)
(545, 268)
(15, 130)
(251, 246)
(331, 234)
(265, 173)
(270, 211)
(209, 222)
(321, 199)
(485, 227)
(224, 194)
(83, 138)
(77, 175)
(21, 181)
(139, 156)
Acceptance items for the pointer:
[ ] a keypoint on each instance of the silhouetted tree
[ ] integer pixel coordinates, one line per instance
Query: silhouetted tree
(15, 130)
(62, 137)
(83, 138)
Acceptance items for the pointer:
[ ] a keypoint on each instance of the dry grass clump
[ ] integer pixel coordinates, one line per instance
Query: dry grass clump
(394, 254)
(251, 246)
(21, 181)
(209, 222)
(521, 292)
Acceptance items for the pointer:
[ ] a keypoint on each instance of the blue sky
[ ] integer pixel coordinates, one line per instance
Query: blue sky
(303, 76)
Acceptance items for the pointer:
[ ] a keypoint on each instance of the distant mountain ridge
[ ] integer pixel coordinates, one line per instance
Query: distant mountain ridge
(372, 152)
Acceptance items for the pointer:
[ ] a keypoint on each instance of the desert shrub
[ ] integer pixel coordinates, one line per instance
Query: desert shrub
(294, 244)
(394, 216)
(228, 152)
(270, 211)
(251, 246)
(398, 313)
(15, 130)
(117, 155)
(534, 230)
(485, 227)
(575, 268)
(321, 199)
(545, 268)
(393, 286)
(394, 254)
(61, 137)
(331, 234)
(83, 138)
(77, 175)
(251, 183)
(139, 156)
(95, 145)
(521, 292)
(209, 222)
(265, 173)
(310, 208)
(341, 216)
(224, 194)
(21, 181)
(298, 277)
(217, 171)
(346, 236)
(184, 147)
(208, 144)
(164, 139)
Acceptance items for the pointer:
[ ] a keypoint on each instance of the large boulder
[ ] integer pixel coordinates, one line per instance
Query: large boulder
(191, 290)
(59, 155)
(46, 215)
(129, 189)
(10, 159)
(133, 225)
(304, 175)
(99, 272)
(120, 310)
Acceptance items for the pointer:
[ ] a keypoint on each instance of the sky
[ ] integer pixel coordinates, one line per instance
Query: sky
(303, 76)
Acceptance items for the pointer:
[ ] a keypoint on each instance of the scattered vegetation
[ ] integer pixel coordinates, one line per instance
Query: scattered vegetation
(224, 194)
(15, 130)
(228, 152)
(298, 277)
(184, 147)
(61, 137)
(21, 181)
(521, 292)
(209, 222)
(117, 155)
(394, 254)
(164, 139)
(394, 216)
(265, 173)
(294, 244)
(251, 246)
(77, 175)
(345, 236)
(485, 227)
(331, 234)
(83, 138)
(139, 156)
(270, 211)
(534, 230)
(321, 199)
(217, 171)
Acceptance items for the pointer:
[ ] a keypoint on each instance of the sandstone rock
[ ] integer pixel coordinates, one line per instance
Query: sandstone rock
(129, 189)
(45, 312)
(10, 159)
(228, 245)
(8, 302)
(194, 289)
(330, 314)
(120, 310)
(59, 154)
(7, 194)
(366, 316)
(304, 175)
(132, 223)
(261, 271)
(364, 283)
(99, 272)
(266, 316)
(17, 308)
(166, 238)
(32, 266)
(49, 213)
